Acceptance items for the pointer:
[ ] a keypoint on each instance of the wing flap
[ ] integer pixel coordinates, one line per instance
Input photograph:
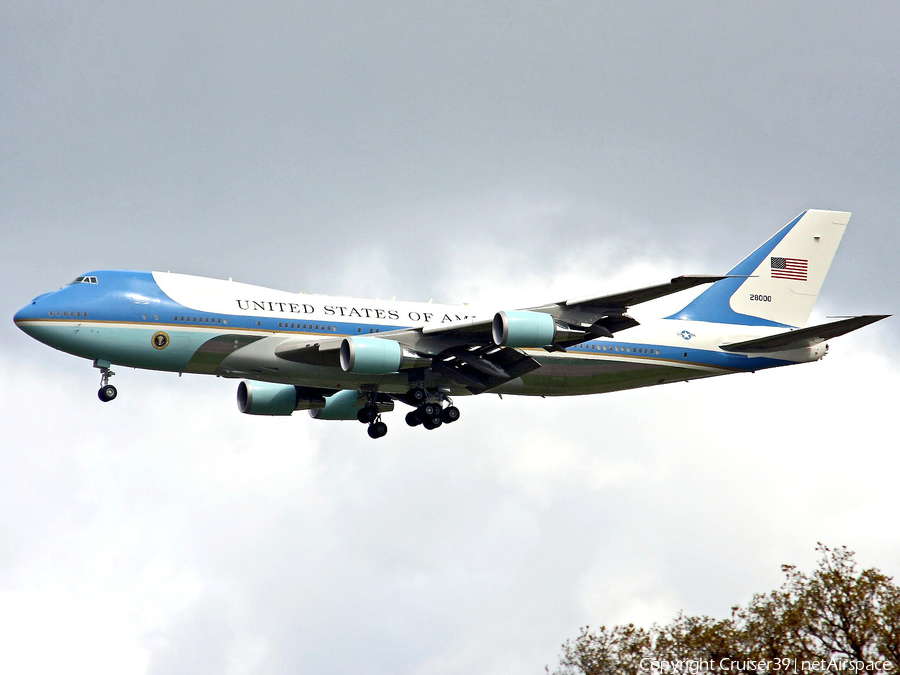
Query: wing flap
(481, 369)
(803, 337)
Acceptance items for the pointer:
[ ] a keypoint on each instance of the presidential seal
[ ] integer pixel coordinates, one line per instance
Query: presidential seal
(160, 340)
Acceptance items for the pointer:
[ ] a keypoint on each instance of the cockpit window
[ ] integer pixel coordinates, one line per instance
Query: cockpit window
(84, 280)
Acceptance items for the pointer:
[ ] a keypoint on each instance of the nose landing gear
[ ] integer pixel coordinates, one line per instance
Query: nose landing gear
(107, 392)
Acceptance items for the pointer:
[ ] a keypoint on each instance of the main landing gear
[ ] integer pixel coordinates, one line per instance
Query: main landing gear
(107, 391)
(430, 413)
(369, 414)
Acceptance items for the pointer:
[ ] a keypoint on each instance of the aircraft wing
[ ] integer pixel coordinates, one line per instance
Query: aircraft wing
(802, 337)
(465, 351)
(608, 311)
(584, 312)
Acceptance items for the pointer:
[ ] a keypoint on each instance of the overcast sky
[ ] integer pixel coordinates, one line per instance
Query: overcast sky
(505, 153)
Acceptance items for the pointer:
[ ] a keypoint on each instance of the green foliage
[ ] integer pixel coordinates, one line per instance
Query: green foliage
(836, 613)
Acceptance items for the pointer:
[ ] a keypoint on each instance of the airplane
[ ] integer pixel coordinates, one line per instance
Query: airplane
(344, 358)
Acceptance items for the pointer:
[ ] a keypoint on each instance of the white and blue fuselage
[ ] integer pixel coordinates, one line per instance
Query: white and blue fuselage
(351, 358)
(188, 324)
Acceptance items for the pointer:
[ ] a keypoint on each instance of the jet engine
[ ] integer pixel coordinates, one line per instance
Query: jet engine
(267, 398)
(531, 329)
(374, 356)
(344, 405)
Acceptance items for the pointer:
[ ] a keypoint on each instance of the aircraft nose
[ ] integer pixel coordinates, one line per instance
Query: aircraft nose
(25, 318)
(23, 315)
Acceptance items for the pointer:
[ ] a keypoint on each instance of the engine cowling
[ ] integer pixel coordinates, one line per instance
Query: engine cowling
(532, 329)
(374, 356)
(344, 405)
(268, 398)
(523, 329)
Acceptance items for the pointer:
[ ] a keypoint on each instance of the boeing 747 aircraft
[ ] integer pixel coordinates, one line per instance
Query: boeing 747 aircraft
(351, 359)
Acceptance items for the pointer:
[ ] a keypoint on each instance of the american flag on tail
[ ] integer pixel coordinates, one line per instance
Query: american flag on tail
(789, 268)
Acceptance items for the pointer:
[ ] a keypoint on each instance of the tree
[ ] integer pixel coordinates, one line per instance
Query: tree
(838, 614)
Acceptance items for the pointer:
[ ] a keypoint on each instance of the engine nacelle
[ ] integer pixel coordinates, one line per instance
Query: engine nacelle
(523, 329)
(268, 398)
(344, 405)
(374, 356)
(532, 329)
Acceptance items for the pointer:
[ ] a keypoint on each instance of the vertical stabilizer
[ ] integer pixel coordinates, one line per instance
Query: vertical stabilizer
(785, 276)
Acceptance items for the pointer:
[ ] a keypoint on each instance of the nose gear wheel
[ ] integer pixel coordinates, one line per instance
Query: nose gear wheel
(107, 392)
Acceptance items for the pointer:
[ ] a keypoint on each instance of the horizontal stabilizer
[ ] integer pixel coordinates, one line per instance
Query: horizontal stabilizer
(803, 337)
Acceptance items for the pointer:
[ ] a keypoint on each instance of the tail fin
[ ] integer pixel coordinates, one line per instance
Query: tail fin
(785, 276)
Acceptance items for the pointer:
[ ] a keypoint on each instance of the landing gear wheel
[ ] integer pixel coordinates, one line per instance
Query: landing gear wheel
(377, 429)
(412, 418)
(450, 414)
(432, 422)
(430, 410)
(367, 414)
(417, 395)
(107, 393)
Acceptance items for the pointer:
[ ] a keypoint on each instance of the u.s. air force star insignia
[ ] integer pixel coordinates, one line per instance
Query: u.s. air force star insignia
(686, 334)
(160, 340)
